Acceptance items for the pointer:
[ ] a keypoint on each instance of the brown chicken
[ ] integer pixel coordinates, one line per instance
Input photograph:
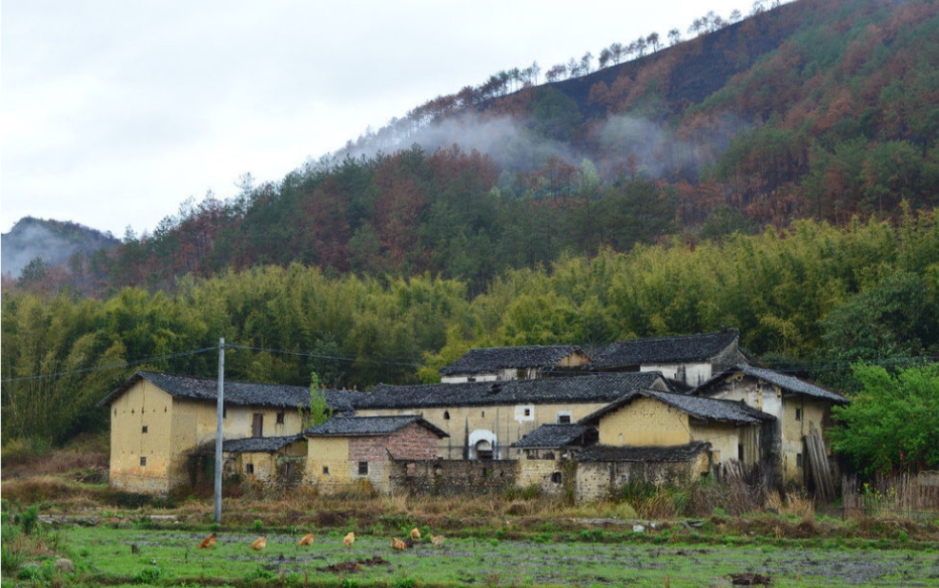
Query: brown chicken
(208, 542)
(307, 539)
(398, 545)
(349, 539)
(437, 540)
(259, 543)
(415, 533)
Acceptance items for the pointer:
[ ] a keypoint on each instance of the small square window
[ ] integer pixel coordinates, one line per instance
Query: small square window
(325, 470)
(527, 412)
(143, 429)
(363, 468)
(143, 461)
(249, 469)
(446, 415)
(556, 477)
(564, 419)
(280, 418)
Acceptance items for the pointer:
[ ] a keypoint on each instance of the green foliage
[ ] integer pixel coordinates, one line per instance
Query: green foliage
(890, 426)
(148, 575)
(319, 409)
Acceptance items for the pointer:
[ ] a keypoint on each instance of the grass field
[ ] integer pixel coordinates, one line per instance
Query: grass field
(60, 507)
(104, 555)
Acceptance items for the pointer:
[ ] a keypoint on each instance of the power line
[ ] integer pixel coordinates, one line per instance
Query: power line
(111, 366)
(365, 359)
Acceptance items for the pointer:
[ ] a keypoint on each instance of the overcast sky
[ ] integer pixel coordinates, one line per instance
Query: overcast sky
(112, 113)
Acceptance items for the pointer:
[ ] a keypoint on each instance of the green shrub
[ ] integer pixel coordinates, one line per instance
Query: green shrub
(10, 558)
(148, 575)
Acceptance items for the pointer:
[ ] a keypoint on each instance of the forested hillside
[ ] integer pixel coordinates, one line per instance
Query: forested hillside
(778, 174)
(820, 109)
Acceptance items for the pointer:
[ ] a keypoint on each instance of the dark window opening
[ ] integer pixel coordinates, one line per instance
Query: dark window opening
(556, 477)
(143, 461)
(132, 411)
(798, 460)
(280, 418)
(470, 379)
(224, 412)
(363, 468)
(249, 469)
(143, 429)
(527, 412)
(325, 470)
(798, 414)
(740, 452)
(564, 419)
(484, 414)
(521, 374)
(446, 415)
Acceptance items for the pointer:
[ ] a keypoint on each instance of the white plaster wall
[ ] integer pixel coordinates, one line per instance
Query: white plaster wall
(695, 373)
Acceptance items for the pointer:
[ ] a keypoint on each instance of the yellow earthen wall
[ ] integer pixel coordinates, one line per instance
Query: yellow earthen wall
(143, 405)
(725, 440)
(501, 420)
(645, 422)
(794, 432)
(331, 452)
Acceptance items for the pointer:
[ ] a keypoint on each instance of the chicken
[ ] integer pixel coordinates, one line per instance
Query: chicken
(208, 542)
(415, 533)
(398, 545)
(437, 540)
(259, 543)
(349, 539)
(307, 539)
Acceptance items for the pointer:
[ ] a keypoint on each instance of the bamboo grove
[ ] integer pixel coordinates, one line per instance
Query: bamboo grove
(813, 299)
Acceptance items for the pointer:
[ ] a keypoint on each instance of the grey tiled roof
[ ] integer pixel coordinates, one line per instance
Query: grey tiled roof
(492, 359)
(369, 426)
(682, 348)
(258, 444)
(785, 382)
(588, 388)
(711, 409)
(552, 436)
(676, 453)
(236, 393)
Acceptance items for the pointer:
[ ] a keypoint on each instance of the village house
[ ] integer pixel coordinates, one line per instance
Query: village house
(344, 451)
(689, 360)
(159, 421)
(483, 419)
(801, 411)
(646, 437)
(511, 363)
(526, 419)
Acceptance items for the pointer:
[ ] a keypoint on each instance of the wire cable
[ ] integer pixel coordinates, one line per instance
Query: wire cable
(111, 366)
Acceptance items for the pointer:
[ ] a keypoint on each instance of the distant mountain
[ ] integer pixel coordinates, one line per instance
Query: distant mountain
(51, 240)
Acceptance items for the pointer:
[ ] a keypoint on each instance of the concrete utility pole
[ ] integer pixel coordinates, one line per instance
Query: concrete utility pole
(218, 430)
